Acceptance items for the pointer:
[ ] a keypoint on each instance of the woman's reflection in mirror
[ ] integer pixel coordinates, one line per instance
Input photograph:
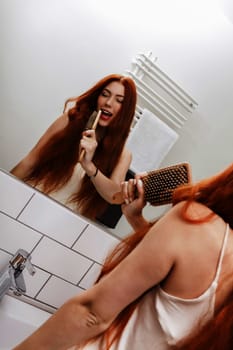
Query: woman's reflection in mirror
(54, 166)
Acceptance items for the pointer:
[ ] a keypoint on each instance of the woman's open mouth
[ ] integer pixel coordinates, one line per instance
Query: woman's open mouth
(105, 115)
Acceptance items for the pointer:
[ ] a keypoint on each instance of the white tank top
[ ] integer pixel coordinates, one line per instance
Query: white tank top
(178, 316)
(161, 319)
(64, 194)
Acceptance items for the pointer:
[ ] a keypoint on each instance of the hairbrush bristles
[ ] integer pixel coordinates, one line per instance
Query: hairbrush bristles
(160, 184)
(91, 121)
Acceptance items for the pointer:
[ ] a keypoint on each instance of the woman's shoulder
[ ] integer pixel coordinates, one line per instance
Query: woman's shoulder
(193, 210)
(192, 205)
(180, 221)
(57, 125)
(126, 155)
(61, 121)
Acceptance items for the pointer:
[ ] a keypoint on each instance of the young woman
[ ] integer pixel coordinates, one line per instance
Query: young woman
(160, 284)
(53, 164)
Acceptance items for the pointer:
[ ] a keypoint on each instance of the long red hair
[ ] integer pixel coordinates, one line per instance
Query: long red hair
(215, 192)
(60, 154)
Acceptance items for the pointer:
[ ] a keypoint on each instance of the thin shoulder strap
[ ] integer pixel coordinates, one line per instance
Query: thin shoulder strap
(222, 252)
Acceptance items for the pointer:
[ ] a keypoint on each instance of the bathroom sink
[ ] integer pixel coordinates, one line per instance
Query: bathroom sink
(18, 320)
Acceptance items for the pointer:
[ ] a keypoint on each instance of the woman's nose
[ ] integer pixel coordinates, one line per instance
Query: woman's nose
(109, 101)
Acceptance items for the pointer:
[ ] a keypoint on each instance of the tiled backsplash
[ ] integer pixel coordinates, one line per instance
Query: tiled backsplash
(67, 250)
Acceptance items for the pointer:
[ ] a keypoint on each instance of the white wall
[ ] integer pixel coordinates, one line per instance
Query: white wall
(54, 49)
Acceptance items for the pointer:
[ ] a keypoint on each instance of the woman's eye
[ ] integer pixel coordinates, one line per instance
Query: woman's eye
(120, 100)
(104, 93)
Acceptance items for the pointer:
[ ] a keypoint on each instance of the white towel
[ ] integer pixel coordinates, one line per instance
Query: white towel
(149, 141)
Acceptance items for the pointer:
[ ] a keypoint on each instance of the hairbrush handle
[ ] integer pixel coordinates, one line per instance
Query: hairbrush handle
(96, 117)
(81, 155)
(96, 120)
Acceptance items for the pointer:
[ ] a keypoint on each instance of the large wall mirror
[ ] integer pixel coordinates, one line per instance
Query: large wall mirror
(54, 50)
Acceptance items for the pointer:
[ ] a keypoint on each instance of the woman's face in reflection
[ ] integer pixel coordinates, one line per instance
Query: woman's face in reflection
(110, 102)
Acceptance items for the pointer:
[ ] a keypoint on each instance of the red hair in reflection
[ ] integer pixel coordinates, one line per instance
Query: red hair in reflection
(60, 154)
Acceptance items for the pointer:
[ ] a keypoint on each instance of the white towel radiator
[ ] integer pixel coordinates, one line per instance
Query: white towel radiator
(159, 93)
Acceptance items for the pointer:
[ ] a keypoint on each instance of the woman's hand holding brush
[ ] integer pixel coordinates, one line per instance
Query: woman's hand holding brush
(88, 141)
(132, 192)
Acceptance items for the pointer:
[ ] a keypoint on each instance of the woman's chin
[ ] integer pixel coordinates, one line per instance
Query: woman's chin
(105, 122)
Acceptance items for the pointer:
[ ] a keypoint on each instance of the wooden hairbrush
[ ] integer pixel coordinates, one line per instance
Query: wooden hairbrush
(159, 184)
(91, 124)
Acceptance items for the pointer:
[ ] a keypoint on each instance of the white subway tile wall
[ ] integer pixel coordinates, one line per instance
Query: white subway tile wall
(94, 235)
(16, 197)
(67, 250)
(48, 216)
(60, 261)
(88, 280)
(4, 258)
(34, 283)
(14, 235)
(56, 291)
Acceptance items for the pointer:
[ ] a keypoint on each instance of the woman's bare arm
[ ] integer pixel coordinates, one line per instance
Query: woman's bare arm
(23, 168)
(105, 186)
(91, 312)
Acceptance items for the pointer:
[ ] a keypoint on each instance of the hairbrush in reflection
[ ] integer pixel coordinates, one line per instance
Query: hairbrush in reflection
(159, 184)
(91, 124)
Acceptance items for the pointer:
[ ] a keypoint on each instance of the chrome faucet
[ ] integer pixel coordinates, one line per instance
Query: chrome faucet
(11, 276)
